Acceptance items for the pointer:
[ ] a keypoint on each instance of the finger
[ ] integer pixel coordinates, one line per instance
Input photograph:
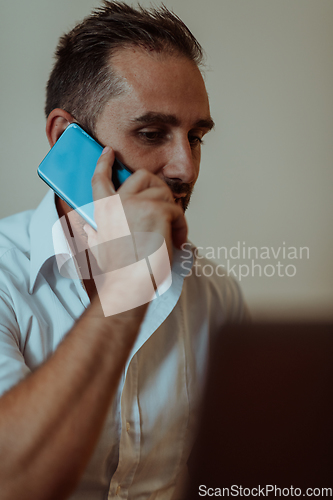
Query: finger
(179, 231)
(162, 193)
(101, 182)
(178, 223)
(179, 227)
(139, 181)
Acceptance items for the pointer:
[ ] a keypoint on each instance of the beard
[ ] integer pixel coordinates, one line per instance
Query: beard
(181, 188)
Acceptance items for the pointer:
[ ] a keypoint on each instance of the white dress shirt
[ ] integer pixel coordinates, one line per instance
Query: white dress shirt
(148, 434)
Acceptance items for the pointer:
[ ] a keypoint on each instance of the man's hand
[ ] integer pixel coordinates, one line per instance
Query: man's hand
(148, 204)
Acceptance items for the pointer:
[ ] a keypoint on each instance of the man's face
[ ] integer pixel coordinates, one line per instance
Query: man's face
(159, 121)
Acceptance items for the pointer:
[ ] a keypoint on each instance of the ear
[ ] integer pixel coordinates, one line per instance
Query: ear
(57, 121)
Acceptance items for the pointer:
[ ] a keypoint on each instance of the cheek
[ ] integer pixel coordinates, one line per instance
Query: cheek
(196, 155)
(136, 157)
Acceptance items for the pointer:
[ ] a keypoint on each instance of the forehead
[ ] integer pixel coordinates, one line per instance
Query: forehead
(160, 82)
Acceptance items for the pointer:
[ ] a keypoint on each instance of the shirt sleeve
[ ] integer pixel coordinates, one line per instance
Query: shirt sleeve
(12, 364)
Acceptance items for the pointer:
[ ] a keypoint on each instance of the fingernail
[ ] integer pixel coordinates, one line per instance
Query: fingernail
(105, 150)
(85, 228)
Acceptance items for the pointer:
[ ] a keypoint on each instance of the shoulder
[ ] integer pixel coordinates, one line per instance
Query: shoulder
(15, 253)
(216, 293)
(14, 279)
(14, 233)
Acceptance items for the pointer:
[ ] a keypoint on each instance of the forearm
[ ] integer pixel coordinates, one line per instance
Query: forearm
(50, 422)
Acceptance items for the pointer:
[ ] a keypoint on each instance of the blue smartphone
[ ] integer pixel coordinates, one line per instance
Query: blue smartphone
(69, 166)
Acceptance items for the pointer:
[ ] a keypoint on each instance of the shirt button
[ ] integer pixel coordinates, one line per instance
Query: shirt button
(118, 489)
(128, 426)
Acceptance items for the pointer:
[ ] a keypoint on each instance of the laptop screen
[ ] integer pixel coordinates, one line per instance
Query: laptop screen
(267, 414)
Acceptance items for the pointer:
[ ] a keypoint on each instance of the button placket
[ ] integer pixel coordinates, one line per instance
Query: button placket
(129, 450)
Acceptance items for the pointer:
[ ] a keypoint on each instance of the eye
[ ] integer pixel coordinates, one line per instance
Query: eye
(194, 140)
(152, 136)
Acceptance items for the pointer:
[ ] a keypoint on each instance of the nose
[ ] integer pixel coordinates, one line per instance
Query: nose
(183, 164)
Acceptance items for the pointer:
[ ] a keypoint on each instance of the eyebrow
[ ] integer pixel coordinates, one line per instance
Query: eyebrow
(152, 117)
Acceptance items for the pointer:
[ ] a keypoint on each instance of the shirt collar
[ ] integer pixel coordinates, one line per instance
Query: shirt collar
(41, 241)
(42, 246)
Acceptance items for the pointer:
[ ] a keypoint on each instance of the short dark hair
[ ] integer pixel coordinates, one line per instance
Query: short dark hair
(82, 80)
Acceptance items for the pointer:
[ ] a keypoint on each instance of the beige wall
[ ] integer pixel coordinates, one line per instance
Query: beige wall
(267, 172)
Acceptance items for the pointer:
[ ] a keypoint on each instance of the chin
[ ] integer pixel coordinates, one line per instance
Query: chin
(185, 203)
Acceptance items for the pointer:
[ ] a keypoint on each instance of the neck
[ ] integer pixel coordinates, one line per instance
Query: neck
(75, 224)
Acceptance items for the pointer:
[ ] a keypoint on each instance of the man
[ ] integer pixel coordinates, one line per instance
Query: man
(99, 406)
